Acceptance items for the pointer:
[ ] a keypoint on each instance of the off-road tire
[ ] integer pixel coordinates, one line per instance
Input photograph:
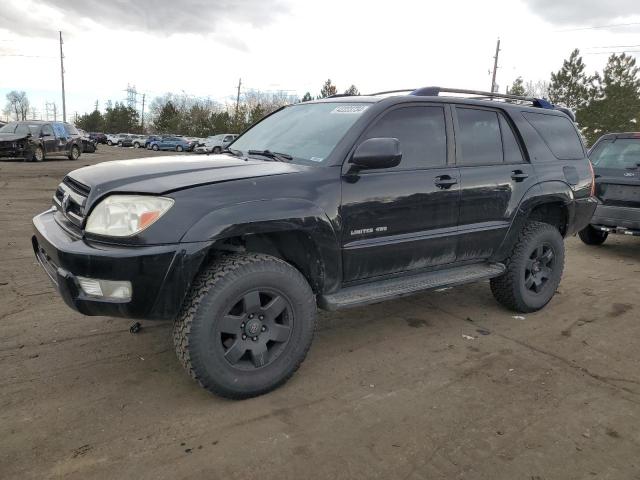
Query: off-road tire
(591, 236)
(38, 155)
(194, 333)
(74, 154)
(509, 289)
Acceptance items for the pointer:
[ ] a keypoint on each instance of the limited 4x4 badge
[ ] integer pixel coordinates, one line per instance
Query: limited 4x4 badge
(364, 231)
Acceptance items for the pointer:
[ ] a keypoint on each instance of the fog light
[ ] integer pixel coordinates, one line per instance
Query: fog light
(109, 289)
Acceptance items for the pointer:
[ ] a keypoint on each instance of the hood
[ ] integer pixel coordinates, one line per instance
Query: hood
(12, 137)
(165, 174)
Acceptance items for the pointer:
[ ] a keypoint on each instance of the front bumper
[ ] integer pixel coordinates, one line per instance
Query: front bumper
(160, 274)
(617, 219)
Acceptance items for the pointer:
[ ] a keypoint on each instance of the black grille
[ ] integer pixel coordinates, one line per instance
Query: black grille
(70, 199)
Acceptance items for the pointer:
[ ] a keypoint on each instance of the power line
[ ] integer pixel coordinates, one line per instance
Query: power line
(21, 55)
(611, 53)
(613, 46)
(613, 25)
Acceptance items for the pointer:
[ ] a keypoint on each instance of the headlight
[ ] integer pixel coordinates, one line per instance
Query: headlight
(126, 215)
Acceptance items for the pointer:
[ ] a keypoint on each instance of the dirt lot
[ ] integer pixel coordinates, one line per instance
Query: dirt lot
(392, 391)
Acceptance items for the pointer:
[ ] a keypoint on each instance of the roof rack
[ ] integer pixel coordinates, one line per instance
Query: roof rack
(436, 91)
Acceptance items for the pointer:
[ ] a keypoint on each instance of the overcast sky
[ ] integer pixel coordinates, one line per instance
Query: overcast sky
(202, 47)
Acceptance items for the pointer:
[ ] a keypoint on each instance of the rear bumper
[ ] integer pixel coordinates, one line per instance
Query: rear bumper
(623, 219)
(580, 214)
(160, 275)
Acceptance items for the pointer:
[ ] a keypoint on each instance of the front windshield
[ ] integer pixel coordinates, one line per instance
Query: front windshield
(308, 132)
(8, 128)
(620, 153)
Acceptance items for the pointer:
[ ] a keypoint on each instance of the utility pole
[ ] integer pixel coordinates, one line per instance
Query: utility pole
(238, 98)
(55, 112)
(64, 103)
(96, 107)
(495, 67)
(142, 116)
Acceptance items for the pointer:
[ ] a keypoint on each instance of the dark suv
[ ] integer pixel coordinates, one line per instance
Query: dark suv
(36, 140)
(616, 161)
(338, 203)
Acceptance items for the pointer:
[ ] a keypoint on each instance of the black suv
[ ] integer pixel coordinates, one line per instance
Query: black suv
(338, 202)
(616, 161)
(36, 140)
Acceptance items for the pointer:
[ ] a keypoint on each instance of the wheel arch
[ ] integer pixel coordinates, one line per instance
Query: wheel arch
(548, 202)
(294, 230)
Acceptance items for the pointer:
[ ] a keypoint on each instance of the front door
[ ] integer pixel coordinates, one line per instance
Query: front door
(49, 141)
(494, 176)
(403, 218)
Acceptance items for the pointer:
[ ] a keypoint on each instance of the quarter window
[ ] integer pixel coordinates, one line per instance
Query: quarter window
(558, 133)
(512, 152)
(421, 132)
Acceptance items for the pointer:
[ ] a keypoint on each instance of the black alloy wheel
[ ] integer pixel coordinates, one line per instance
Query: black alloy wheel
(256, 329)
(539, 268)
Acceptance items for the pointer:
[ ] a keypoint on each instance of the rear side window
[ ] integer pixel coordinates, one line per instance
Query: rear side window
(71, 130)
(558, 133)
(479, 137)
(621, 153)
(421, 132)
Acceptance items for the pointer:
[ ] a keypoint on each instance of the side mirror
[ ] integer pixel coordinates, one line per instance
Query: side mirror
(377, 153)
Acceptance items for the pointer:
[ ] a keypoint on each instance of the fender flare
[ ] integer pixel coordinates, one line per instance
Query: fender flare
(552, 191)
(272, 216)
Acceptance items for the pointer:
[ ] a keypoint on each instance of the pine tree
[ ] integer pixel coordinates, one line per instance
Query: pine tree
(328, 89)
(352, 90)
(307, 97)
(616, 103)
(517, 87)
(571, 86)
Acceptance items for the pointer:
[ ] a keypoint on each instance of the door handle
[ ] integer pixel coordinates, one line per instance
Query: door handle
(445, 181)
(519, 175)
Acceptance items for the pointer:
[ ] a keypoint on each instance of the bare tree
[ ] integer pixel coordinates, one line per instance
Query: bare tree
(17, 104)
(539, 89)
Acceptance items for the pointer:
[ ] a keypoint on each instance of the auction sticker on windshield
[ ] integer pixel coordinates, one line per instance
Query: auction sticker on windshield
(350, 109)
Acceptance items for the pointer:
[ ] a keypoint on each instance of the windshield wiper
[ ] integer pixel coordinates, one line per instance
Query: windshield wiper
(279, 157)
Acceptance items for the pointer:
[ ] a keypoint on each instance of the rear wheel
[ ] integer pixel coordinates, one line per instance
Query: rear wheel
(179, 148)
(109, 142)
(136, 145)
(246, 325)
(591, 236)
(534, 269)
(155, 147)
(75, 153)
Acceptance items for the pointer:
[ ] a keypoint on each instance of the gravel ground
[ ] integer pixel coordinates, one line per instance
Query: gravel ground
(439, 385)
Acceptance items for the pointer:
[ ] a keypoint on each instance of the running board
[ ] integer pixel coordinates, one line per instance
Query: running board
(382, 290)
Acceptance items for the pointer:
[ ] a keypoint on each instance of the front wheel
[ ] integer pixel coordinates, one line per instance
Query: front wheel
(75, 153)
(591, 236)
(246, 325)
(110, 143)
(179, 148)
(155, 148)
(38, 154)
(136, 145)
(534, 269)
(217, 150)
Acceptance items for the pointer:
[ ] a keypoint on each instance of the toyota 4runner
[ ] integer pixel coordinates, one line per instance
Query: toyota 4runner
(335, 203)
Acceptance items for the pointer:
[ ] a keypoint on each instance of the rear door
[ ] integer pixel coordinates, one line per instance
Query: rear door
(616, 162)
(403, 218)
(494, 177)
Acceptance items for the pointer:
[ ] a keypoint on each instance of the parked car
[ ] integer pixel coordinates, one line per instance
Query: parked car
(152, 138)
(125, 140)
(116, 138)
(98, 137)
(139, 141)
(179, 144)
(36, 140)
(89, 145)
(216, 143)
(616, 161)
(338, 203)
